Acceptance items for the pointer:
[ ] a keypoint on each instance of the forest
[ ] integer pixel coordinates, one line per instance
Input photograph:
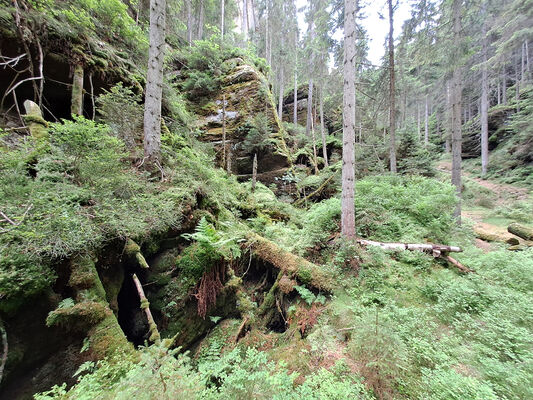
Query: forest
(266, 199)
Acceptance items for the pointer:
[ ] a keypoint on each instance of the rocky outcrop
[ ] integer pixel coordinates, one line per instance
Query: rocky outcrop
(243, 94)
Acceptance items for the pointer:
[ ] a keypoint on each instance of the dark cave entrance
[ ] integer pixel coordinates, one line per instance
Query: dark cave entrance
(130, 316)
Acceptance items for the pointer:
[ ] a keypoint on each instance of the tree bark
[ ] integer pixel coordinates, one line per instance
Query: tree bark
(295, 103)
(254, 172)
(222, 6)
(426, 122)
(154, 82)
(392, 105)
(504, 85)
(348, 131)
(281, 89)
(224, 165)
(201, 21)
(244, 23)
(418, 128)
(484, 105)
(309, 107)
(322, 130)
(456, 109)
(76, 106)
(189, 21)
(145, 305)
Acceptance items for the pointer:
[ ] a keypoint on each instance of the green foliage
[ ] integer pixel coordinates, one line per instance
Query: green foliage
(200, 83)
(258, 134)
(413, 158)
(121, 110)
(89, 148)
(308, 296)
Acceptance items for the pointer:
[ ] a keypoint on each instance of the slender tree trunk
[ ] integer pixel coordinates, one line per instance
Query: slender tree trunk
(295, 110)
(348, 131)
(309, 107)
(392, 94)
(266, 31)
(154, 82)
(224, 131)
(499, 94)
(449, 118)
(281, 89)
(222, 16)
(313, 137)
(252, 27)
(322, 130)
(517, 88)
(504, 86)
(189, 21)
(418, 129)
(484, 105)
(456, 109)
(244, 23)
(76, 106)
(254, 172)
(426, 122)
(201, 21)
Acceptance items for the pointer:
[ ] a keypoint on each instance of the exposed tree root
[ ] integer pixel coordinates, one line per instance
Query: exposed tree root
(145, 306)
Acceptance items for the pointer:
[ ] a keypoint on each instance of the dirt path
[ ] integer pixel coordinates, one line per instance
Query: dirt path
(502, 190)
(505, 195)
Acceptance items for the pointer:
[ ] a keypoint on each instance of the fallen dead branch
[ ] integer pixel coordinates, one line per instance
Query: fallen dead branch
(145, 306)
(13, 223)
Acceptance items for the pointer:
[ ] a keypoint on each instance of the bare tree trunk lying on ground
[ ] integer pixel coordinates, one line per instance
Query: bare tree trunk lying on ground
(437, 250)
(145, 305)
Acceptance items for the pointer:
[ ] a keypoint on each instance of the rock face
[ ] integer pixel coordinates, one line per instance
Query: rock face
(244, 93)
(288, 105)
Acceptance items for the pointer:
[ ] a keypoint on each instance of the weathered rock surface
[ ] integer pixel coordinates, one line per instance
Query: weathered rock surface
(244, 94)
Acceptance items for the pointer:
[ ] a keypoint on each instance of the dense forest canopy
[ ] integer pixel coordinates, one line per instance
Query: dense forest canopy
(234, 199)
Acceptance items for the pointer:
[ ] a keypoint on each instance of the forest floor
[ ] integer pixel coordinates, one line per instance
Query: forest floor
(486, 203)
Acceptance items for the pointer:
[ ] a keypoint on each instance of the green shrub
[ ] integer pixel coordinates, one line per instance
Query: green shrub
(120, 108)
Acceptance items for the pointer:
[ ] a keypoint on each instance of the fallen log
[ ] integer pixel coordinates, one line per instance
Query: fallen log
(521, 231)
(145, 306)
(290, 264)
(488, 236)
(435, 249)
